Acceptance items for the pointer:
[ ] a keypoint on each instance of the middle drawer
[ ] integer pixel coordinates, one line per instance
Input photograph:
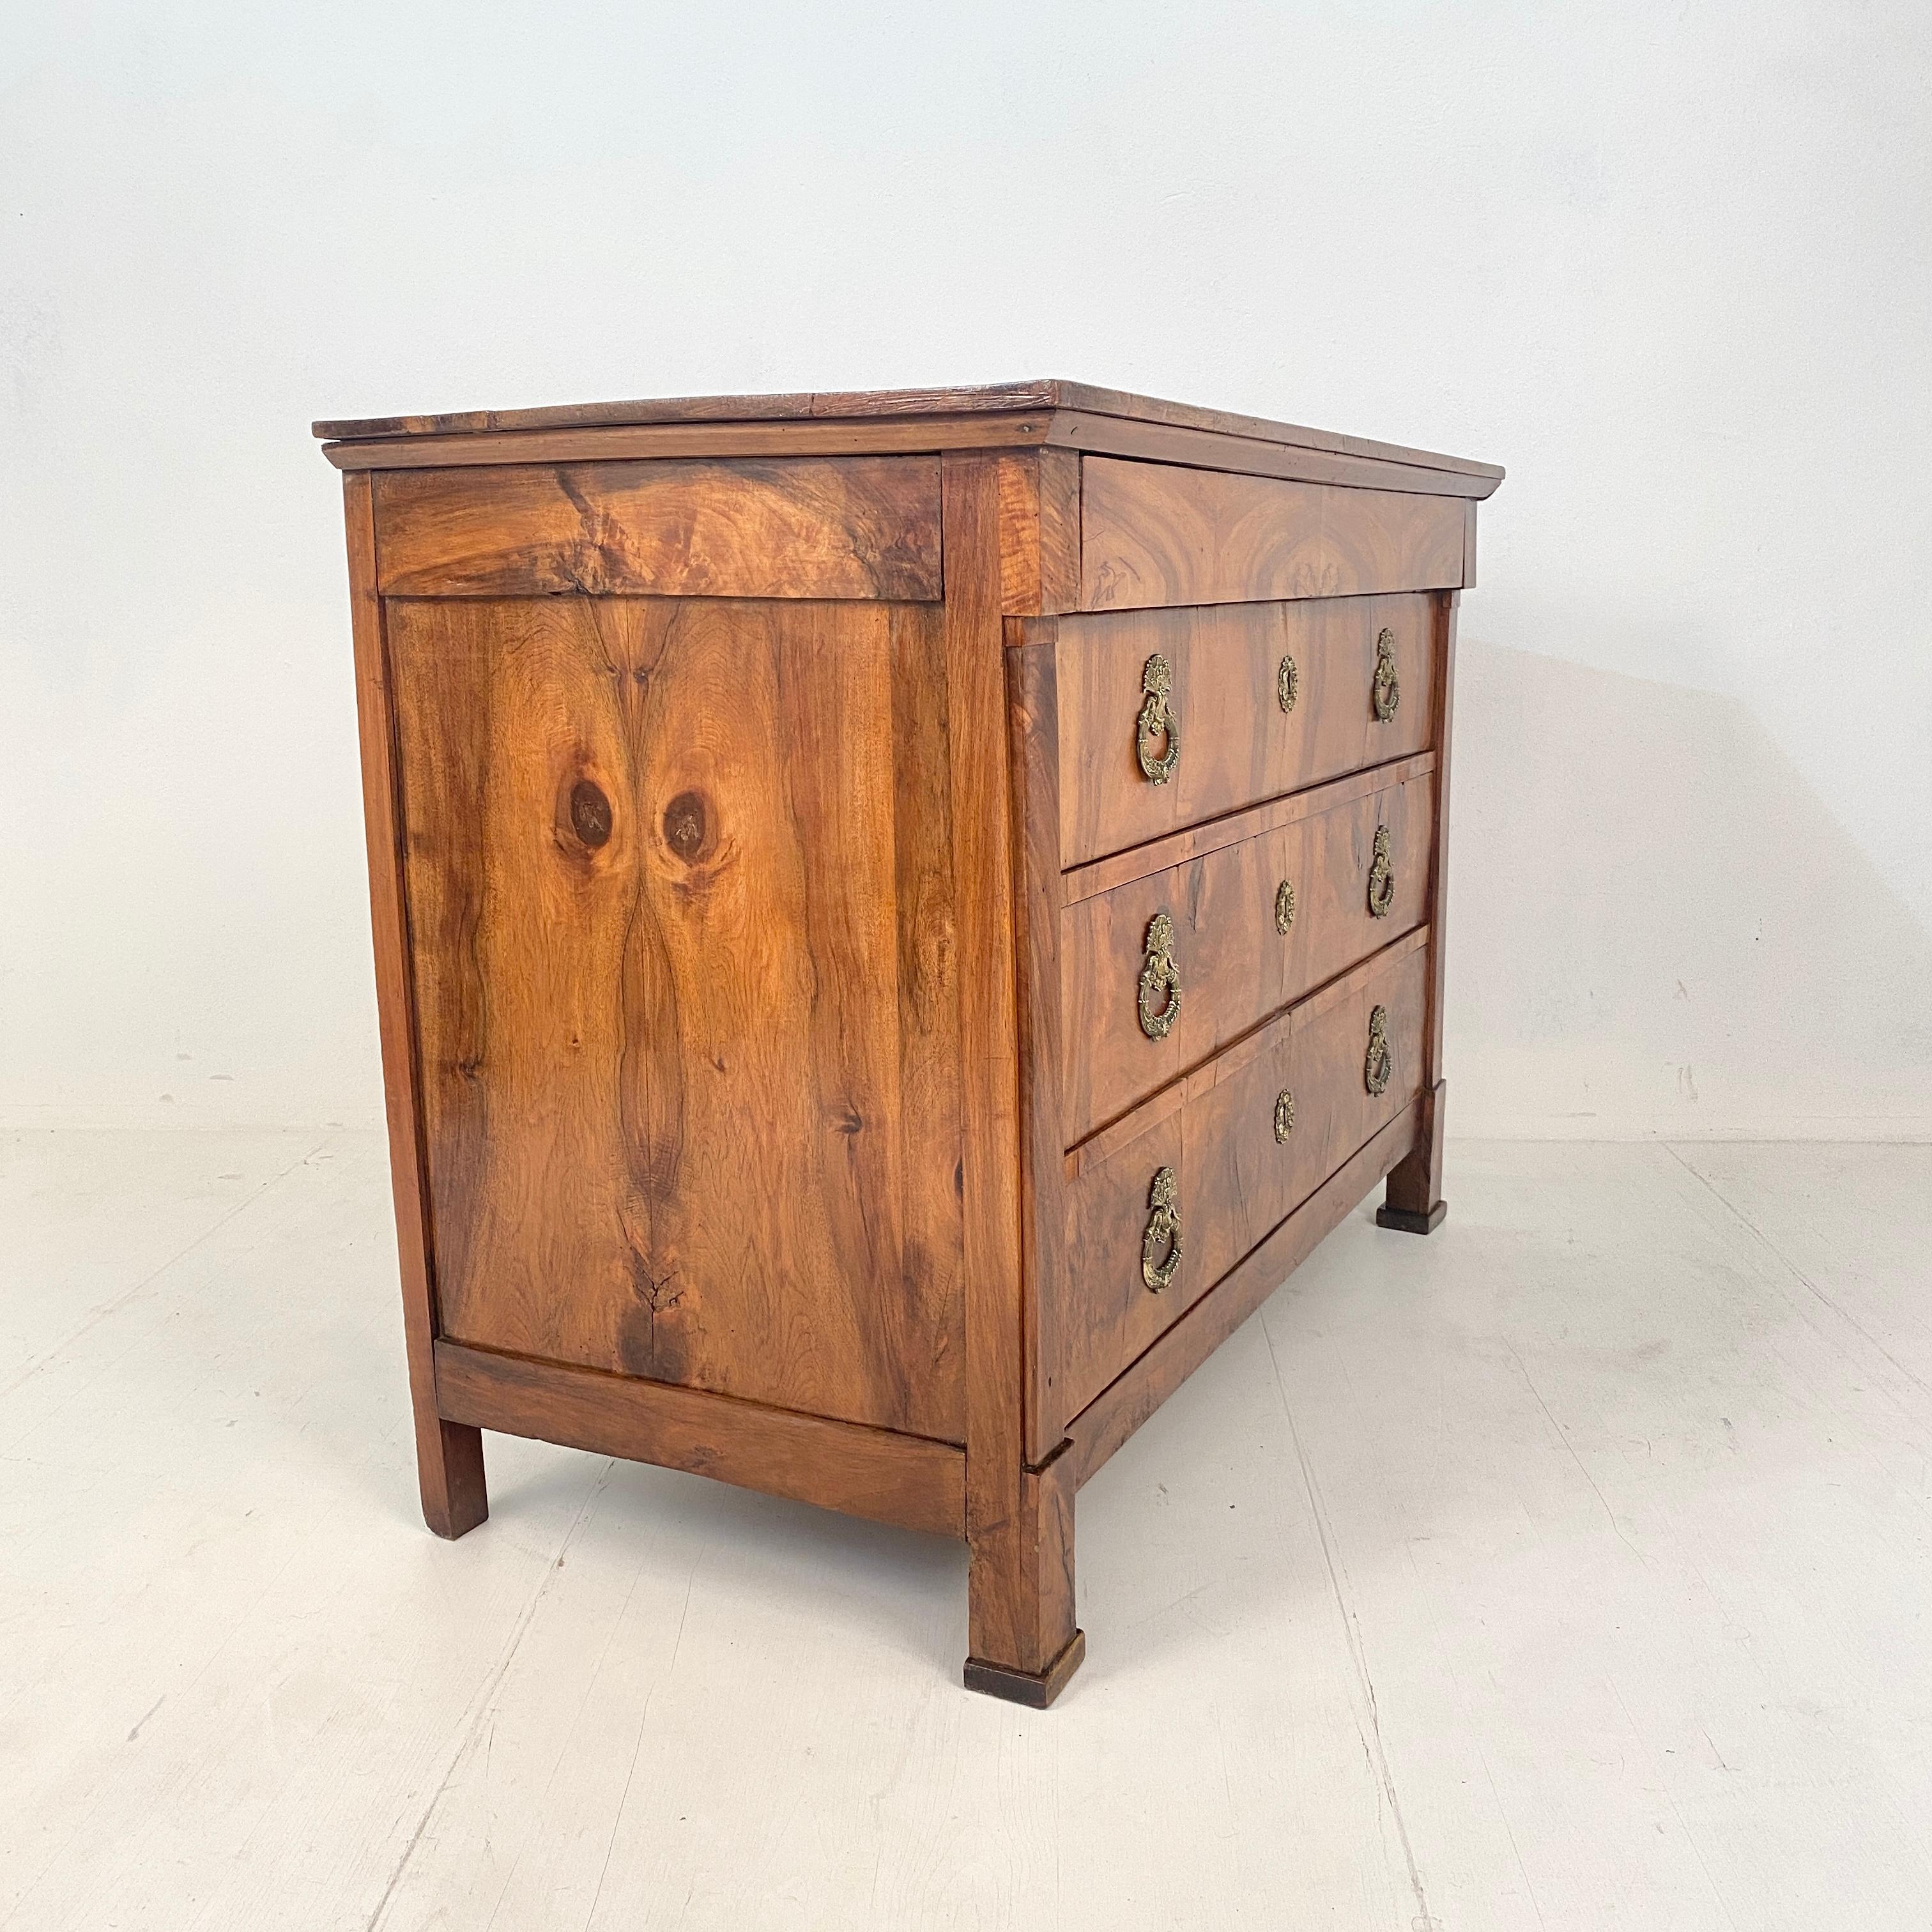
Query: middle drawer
(1292, 894)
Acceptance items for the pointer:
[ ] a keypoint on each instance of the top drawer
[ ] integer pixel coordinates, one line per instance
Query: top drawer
(1235, 724)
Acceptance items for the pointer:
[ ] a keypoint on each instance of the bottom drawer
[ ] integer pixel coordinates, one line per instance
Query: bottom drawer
(1160, 1207)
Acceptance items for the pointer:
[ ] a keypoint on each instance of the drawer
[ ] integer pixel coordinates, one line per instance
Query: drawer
(860, 527)
(1224, 1157)
(1320, 881)
(1247, 728)
(1158, 533)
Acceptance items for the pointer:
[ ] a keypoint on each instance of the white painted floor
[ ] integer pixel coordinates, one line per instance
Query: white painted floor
(1571, 1568)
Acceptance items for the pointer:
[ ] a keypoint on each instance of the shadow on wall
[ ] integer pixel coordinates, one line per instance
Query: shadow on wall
(1656, 927)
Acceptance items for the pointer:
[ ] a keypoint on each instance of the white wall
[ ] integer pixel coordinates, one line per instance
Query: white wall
(1670, 264)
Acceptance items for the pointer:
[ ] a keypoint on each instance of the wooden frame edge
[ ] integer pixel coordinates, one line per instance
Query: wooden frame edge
(860, 435)
(1070, 432)
(1038, 888)
(908, 1480)
(449, 1459)
(1143, 442)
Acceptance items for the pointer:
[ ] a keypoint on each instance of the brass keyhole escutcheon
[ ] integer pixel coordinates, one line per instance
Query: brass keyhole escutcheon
(1379, 1062)
(1284, 906)
(1382, 877)
(1157, 720)
(1159, 999)
(1284, 1115)
(1160, 1244)
(1287, 684)
(1388, 689)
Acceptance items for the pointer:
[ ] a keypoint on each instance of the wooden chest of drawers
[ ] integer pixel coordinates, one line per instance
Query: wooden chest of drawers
(899, 919)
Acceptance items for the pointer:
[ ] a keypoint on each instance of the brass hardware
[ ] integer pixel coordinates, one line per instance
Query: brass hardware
(1284, 1114)
(1160, 979)
(1382, 877)
(1156, 681)
(1284, 906)
(1388, 691)
(1379, 1063)
(1287, 684)
(1163, 1231)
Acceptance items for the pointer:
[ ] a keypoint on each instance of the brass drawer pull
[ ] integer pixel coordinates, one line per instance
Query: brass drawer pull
(1379, 1063)
(1287, 684)
(1163, 1232)
(1156, 719)
(1284, 1115)
(1284, 906)
(1160, 980)
(1388, 690)
(1382, 877)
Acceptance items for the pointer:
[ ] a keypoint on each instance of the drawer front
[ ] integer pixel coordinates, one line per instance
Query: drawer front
(1250, 927)
(1231, 1160)
(861, 527)
(1238, 742)
(1153, 533)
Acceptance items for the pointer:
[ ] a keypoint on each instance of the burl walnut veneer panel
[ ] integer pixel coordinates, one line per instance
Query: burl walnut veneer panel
(898, 919)
(677, 931)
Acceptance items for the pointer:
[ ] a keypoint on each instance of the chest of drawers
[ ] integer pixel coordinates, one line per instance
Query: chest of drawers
(899, 919)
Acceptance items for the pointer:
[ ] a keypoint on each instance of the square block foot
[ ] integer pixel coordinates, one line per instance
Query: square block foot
(1400, 1219)
(1023, 1686)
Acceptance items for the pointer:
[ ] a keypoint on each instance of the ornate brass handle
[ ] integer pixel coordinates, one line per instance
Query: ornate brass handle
(1156, 719)
(1287, 684)
(1284, 906)
(1379, 1064)
(1382, 877)
(1388, 690)
(1284, 1114)
(1160, 979)
(1163, 1232)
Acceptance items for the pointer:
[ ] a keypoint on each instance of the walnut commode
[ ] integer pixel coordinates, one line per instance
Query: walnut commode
(899, 919)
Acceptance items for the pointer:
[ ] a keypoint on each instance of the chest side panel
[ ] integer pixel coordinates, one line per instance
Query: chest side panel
(680, 911)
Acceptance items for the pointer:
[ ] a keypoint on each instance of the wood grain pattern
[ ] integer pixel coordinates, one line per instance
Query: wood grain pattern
(906, 1480)
(1038, 907)
(1113, 1415)
(862, 405)
(1236, 966)
(1039, 532)
(1250, 456)
(1020, 1531)
(801, 406)
(1236, 1180)
(449, 1456)
(864, 436)
(1414, 1199)
(1154, 535)
(1065, 433)
(682, 959)
(1238, 746)
(866, 527)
